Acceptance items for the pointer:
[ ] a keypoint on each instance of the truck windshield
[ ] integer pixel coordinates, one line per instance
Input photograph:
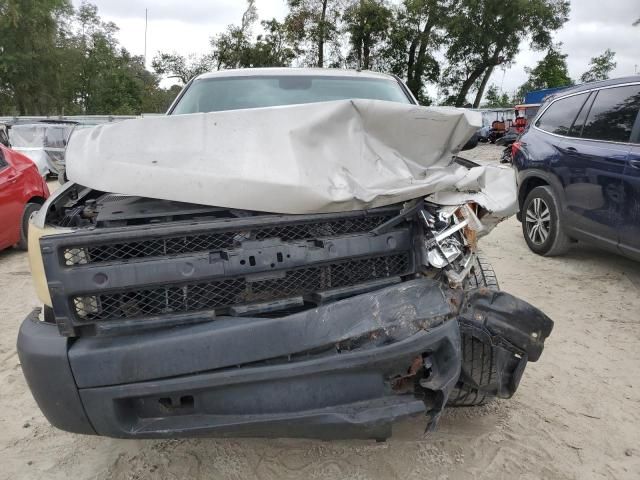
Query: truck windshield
(235, 93)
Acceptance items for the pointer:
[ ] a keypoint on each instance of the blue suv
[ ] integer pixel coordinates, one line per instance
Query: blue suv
(578, 169)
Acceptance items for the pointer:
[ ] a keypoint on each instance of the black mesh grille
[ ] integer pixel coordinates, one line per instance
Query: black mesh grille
(80, 255)
(222, 294)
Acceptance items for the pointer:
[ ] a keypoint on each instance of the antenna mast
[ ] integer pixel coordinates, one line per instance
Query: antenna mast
(146, 17)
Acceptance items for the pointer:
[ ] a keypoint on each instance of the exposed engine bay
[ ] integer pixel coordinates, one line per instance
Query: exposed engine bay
(351, 251)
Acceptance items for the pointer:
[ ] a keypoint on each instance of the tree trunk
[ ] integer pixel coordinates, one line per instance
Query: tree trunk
(467, 84)
(415, 62)
(22, 109)
(412, 59)
(363, 47)
(321, 34)
(366, 53)
(487, 67)
(483, 85)
(422, 53)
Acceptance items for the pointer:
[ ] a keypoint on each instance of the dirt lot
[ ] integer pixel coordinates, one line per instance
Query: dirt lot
(576, 414)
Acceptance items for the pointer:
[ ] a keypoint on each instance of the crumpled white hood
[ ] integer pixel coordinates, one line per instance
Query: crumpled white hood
(313, 158)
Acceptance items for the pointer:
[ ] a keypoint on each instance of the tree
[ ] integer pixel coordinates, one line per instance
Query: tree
(28, 57)
(94, 49)
(316, 23)
(600, 67)
(484, 34)
(367, 23)
(274, 48)
(417, 30)
(158, 100)
(99, 76)
(235, 48)
(182, 68)
(55, 59)
(550, 72)
(231, 49)
(494, 99)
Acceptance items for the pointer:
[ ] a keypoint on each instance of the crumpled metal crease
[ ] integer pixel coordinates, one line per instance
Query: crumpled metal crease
(311, 158)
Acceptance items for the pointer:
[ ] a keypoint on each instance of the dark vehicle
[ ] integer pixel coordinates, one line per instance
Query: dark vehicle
(507, 142)
(170, 319)
(579, 170)
(4, 135)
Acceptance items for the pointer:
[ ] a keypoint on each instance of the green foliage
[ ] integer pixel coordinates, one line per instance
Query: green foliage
(600, 67)
(550, 72)
(57, 60)
(29, 75)
(367, 23)
(184, 69)
(274, 48)
(417, 30)
(483, 34)
(235, 48)
(315, 26)
(232, 49)
(495, 99)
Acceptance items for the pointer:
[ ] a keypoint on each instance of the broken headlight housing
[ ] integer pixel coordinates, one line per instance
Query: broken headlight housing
(451, 239)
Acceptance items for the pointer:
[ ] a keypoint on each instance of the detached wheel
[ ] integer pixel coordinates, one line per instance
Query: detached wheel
(541, 223)
(29, 208)
(478, 362)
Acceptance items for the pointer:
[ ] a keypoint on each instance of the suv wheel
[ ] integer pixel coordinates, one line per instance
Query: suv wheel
(542, 225)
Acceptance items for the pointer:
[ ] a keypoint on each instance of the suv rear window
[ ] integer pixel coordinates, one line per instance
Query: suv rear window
(559, 117)
(613, 114)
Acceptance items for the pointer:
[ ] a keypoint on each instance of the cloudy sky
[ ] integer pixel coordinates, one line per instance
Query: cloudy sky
(184, 26)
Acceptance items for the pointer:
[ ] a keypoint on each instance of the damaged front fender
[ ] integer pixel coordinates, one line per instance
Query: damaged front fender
(515, 331)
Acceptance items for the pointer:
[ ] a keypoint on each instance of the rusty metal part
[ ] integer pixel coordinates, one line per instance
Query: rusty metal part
(405, 383)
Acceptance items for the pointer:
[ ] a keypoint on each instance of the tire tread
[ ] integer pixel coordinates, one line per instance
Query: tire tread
(478, 361)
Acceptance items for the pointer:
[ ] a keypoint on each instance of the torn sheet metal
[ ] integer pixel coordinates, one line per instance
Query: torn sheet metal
(493, 187)
(312, 158)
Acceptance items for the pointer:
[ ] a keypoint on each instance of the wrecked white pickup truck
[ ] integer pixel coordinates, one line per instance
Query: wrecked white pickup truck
(287, 253)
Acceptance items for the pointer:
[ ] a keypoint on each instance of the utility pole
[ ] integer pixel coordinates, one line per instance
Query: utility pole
(146, 18)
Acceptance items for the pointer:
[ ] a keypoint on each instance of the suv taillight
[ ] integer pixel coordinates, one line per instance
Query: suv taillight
(515, 148)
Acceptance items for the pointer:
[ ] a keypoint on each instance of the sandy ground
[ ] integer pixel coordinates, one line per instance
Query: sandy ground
(576, 414)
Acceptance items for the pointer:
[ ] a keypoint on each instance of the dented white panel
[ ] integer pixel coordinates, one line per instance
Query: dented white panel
(321, 157)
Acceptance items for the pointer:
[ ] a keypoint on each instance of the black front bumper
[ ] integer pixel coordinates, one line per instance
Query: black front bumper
(337, 371)
(343, 370)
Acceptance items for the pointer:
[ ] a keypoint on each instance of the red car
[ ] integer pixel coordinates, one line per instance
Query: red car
(22, 192)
